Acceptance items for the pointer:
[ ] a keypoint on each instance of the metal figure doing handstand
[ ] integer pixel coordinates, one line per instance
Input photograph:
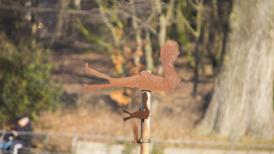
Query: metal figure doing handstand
(144, 80)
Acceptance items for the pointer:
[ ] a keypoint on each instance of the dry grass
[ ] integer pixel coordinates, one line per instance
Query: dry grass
(171, 118)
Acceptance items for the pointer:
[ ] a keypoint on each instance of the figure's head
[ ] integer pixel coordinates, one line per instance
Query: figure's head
(23, 120)
(169, 52)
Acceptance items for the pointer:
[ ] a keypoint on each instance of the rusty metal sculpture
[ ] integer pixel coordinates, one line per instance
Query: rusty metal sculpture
(140, 114)
(144, 80)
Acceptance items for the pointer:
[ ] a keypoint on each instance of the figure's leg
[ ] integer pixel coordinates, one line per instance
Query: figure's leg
(93, 72)
(125, 111)
(126, 118)
(130, 82)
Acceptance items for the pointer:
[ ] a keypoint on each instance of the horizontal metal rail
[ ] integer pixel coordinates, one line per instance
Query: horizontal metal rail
(166, 141)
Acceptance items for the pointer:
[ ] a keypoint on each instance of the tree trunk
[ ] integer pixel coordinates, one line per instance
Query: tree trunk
(137, 33)
(77, 4)
(149, 55)
(164, 20)
(242, 102)
(61, 19)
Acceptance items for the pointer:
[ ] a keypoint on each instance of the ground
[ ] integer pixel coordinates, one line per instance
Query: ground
(174, 114)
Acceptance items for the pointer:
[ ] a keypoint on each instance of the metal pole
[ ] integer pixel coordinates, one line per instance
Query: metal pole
(145, 125)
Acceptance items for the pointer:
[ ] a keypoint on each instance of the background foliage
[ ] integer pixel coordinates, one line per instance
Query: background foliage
(130, 32)
(26, 86)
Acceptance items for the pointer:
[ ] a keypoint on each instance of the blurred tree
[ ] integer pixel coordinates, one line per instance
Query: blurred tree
(201, 27)
(63, 4)
(77, 4)
(25, 82)
(140, 26)
(15, 24)
(242, 103)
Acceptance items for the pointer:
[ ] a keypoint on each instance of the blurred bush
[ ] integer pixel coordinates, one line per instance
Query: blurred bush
(26, 86)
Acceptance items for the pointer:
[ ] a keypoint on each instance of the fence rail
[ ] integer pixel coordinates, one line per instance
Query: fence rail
(76, 136)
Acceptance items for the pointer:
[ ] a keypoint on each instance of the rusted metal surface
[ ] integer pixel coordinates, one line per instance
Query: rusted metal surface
(137, 139)
(140, 114)
(144, 80)
(145, 124)
(135, 130)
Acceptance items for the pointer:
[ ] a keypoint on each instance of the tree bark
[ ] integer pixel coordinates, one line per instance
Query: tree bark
(242, 102)
(77, 4)
(137, 33)
(164, 20)
(61, 18)
(149, 54)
